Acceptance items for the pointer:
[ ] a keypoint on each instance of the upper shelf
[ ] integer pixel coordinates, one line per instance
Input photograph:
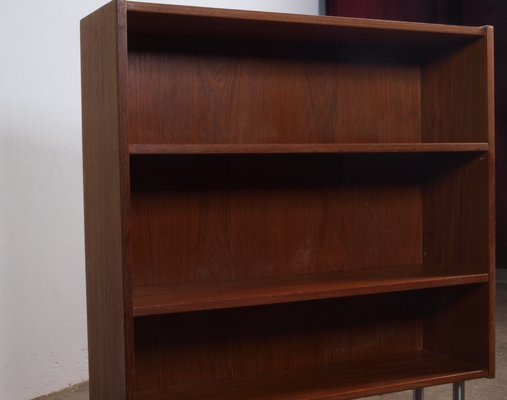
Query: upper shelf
(146, 18)
(311, 148)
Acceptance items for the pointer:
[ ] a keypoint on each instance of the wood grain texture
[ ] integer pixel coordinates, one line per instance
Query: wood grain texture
(492, 200)
(162, 299)
(295, 148)
(456, 218)
(269, 92)
(479, 73)
(331, 382)
(293, 207)
(206, 22)
(454, 95)
(221, 218)
(105, 166)
(199, 347)
(457, 324)
(456, 212)
(456, 232)
(493, 12)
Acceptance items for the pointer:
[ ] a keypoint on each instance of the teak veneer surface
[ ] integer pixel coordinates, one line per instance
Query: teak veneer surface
(146, 18)
(242, 342)
(105, 176)
(161, 299)
(264, 93)
(285, 207)
(305, 148)
(222, 218)
(331, 382)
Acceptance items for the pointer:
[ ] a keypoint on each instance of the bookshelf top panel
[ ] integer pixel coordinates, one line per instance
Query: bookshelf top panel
(161, 19)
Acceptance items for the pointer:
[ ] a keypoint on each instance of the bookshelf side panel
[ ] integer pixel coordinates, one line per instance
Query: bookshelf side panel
(454, 95)
(459, 329)
(492, 198)
(105, 231)
(455, 233)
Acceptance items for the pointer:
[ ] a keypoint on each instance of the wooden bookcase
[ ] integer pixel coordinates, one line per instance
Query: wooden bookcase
(285, 207)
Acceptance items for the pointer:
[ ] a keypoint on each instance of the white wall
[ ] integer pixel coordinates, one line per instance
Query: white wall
(42, 283)
(287, 6)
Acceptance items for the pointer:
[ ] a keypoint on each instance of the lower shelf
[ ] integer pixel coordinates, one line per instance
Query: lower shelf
(331, 382)
(165, 299)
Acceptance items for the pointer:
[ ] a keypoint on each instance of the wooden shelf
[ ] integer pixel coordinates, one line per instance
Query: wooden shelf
(165, 299)
(338, 381)
(306, 148)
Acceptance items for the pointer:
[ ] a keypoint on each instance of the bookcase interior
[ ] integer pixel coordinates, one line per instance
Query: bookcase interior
(227, 226)
(285, 207)
(254, 270)
(302, 349)
(261, 90)
(224, 218)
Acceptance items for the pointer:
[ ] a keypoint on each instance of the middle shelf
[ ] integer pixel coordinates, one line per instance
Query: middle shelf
(185, 297)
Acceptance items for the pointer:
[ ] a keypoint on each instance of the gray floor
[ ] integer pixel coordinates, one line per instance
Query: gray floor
(483, 389)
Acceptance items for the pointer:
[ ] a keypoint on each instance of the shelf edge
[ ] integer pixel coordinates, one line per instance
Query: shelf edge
(316, 294)
(175, 149)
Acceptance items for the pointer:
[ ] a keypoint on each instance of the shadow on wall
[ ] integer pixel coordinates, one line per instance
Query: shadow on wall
(322, 7)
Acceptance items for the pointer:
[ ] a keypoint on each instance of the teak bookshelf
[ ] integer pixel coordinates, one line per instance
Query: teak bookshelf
(285, 207)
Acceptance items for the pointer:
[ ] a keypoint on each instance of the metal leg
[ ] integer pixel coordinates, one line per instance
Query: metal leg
(419, 394)
(458, 391)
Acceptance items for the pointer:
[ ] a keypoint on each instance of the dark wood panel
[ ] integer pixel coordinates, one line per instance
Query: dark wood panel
(471, 12)
(205, 22)
(225, 213)
(219, 218)
(493, 200)
(456, 213)
(454, 96)
(494, 12)
(204, 91)
(457, 325)
(456, 231)
(164, 299)
(105, 160)
(332, 382)
(207, 346)
(305, 148)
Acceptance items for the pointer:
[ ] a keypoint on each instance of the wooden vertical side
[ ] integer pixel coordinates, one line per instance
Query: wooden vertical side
(454, 95)
(455, 233)
(494, 12)
(456, 324)
(459, 207)
(105, 165)
(455, 212)
(492, 196)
